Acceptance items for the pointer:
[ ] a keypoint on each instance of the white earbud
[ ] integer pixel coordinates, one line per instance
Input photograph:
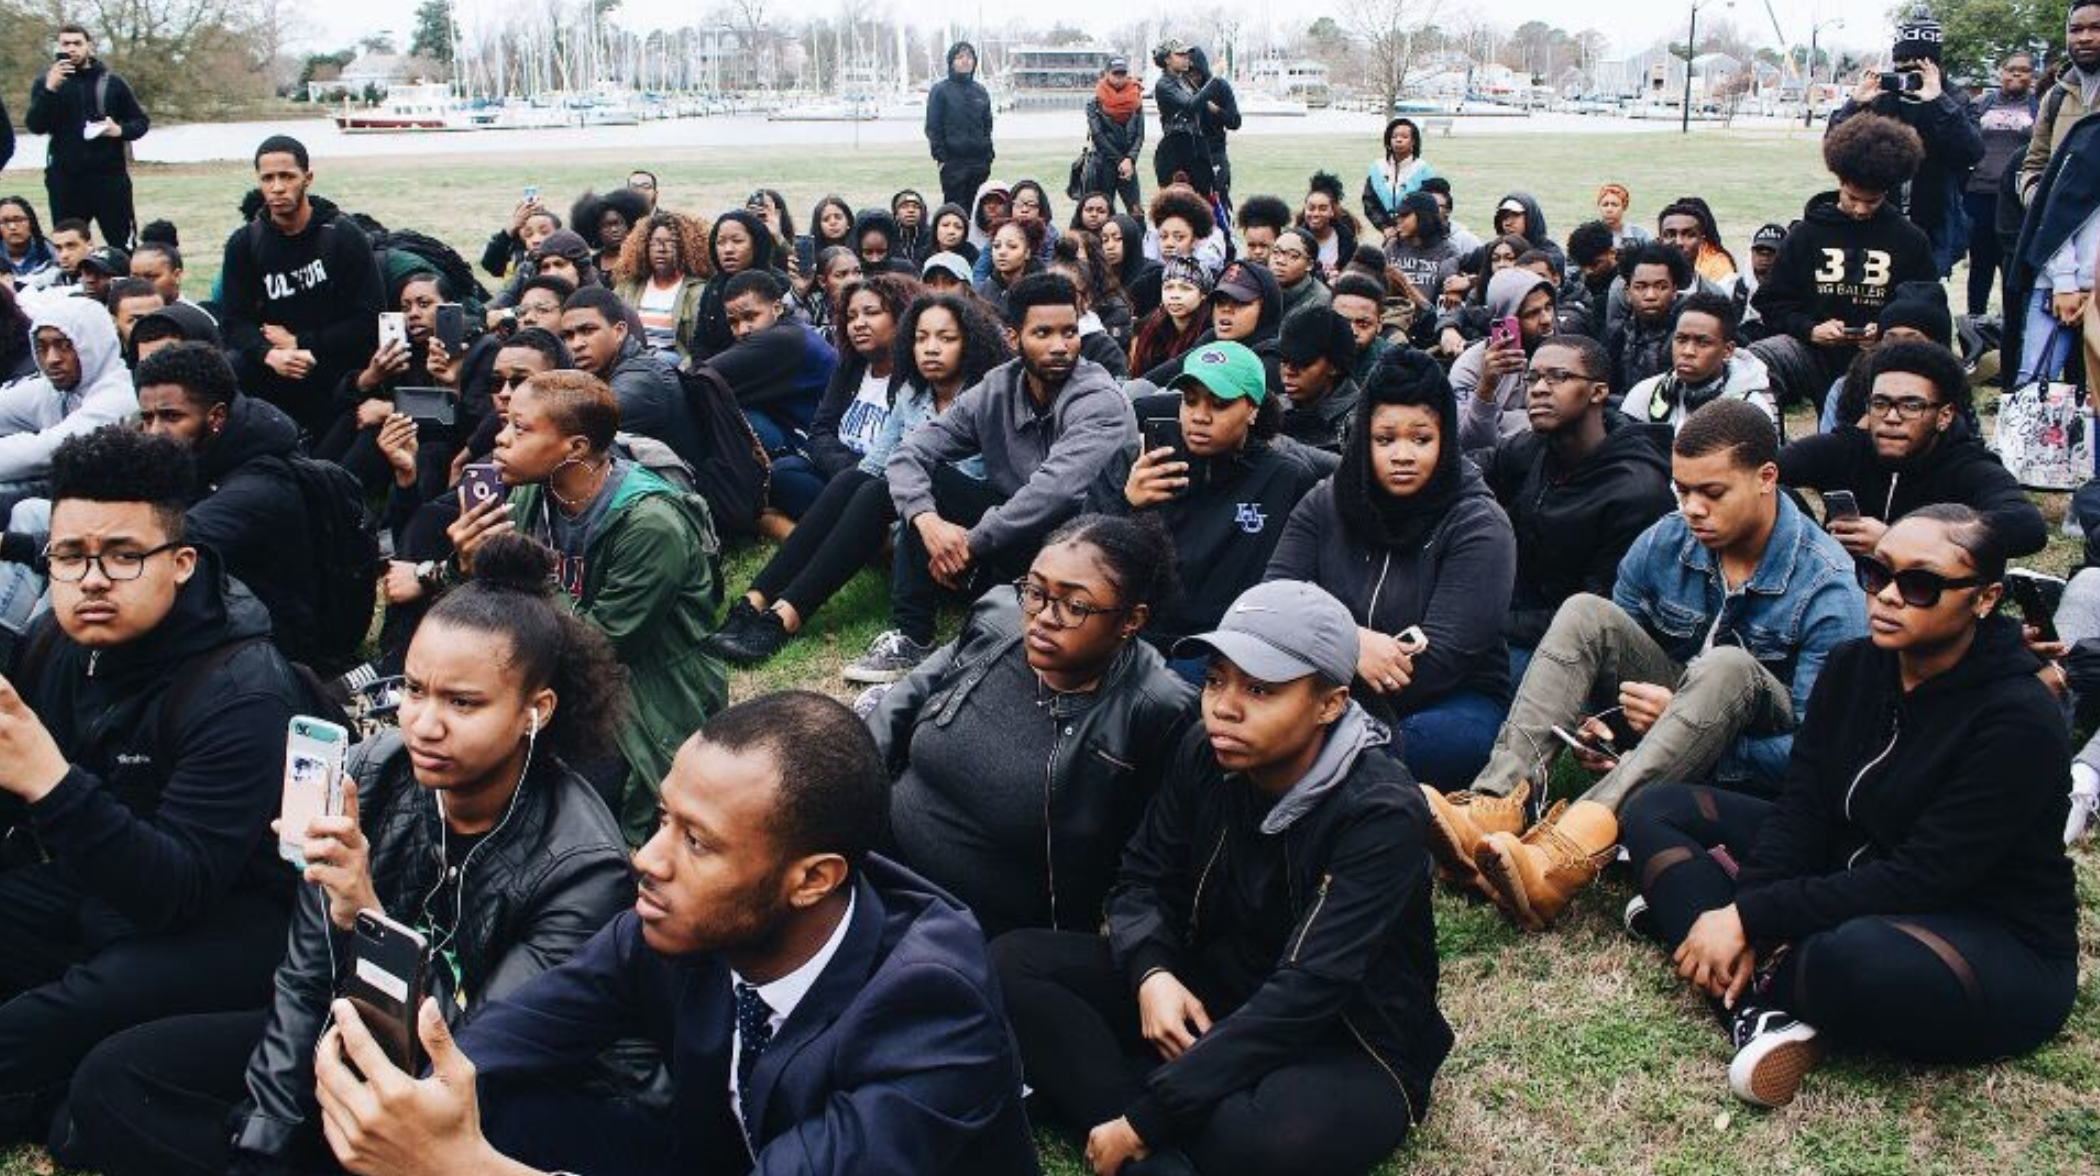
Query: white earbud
(535, 731)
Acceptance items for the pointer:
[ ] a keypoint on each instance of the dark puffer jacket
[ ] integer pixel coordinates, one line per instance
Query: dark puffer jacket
(959, 115)
(538, 885)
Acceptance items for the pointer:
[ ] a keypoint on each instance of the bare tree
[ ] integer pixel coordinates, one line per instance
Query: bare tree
(1390, 31)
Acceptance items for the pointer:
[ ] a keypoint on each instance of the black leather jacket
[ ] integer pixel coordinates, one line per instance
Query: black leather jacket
(536, 888)
(1098, 790)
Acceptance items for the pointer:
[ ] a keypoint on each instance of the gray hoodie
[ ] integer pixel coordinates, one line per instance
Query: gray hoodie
(35, 415)
(1353, 734)
(1041, 462)
(1484, 421)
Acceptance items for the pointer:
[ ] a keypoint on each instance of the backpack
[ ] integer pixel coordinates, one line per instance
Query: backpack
(737, 475)
(346, 558)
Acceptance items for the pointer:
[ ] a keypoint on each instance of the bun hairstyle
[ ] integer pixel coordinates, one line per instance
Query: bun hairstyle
(511, 598)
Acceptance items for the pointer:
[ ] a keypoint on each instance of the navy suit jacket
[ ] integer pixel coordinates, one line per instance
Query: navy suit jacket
(898, 1060)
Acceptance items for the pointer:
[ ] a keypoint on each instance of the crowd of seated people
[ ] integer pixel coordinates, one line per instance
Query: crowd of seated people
(1246, 573)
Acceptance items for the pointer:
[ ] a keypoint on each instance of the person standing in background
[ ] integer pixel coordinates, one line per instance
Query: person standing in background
(2005, 118)
(89, 113)
(959, 127)
(1115, 126)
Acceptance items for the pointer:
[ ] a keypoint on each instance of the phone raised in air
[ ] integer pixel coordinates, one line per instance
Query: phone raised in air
(314, 750)
(393, 328)
(1504, 333)
(389, 977)
(480, 483)
(426, 404)
(449, 324)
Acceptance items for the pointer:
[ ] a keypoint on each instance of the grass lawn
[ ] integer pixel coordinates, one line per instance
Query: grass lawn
(1577, 1051)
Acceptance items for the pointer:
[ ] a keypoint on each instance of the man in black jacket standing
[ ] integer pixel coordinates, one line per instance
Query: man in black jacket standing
(89, 113)
(959, 127)
(142, 740)
(301, 293)
(1271, 952)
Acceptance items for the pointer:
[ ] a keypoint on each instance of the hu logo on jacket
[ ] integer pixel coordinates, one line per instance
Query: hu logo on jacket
(1250, 518)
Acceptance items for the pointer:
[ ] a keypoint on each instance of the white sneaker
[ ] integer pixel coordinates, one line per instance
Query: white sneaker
(1774, 1051)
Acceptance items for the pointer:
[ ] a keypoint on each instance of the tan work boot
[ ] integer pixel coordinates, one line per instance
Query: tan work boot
(1535, 877)
(1460, 823)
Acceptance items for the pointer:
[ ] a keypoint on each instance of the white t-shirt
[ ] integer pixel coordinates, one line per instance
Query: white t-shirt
(658, 311)
(862, 422)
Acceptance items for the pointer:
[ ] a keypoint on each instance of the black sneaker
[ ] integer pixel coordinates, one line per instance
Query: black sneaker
(751, 642)
(740, 617)
(1774, 1050)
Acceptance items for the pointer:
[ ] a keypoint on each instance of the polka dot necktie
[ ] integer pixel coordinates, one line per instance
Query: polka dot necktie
(754, 1032)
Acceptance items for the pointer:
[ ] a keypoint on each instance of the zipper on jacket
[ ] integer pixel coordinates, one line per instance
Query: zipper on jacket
(1398, 1085)
(1888, 506)
(1895, 733)
(1196, 905)
(1312, 917)
(1057, 740)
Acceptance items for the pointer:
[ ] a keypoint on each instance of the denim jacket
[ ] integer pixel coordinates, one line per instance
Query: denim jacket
(1801, 603)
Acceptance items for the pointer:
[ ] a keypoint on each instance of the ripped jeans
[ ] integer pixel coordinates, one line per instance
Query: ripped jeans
(1934, 987)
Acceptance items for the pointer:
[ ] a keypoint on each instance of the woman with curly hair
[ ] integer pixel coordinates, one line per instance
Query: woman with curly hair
(1333, 227)
(470, 820)
(944, 344)
(662, 268)
(605, 221)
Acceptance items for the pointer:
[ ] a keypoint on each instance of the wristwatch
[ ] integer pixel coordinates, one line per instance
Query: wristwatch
(430, 574)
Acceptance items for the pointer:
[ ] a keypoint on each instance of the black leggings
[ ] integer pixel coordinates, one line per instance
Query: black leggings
(1332, 1110)
(156, 1100)
(836, 537)
(1938, 987)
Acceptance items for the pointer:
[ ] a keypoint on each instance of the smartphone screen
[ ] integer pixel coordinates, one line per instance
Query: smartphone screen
(314, 750)
(479, 483)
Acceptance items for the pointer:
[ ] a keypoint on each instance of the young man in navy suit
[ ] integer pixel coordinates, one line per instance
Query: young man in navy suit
(821, 1009)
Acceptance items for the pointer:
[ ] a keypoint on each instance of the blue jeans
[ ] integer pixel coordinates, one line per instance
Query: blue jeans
(795, 482)
(21, 588)
(1446, 743)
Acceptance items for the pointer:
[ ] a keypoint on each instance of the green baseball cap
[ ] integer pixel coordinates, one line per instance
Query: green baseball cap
(1229, 371)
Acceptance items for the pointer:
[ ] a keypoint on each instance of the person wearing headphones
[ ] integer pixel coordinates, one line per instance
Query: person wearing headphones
(466, 824)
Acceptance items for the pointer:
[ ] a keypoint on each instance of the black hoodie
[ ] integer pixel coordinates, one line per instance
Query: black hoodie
(1573, 526)
(1948, 799)
(1834, 267)
(251, 514)
(959, 115)
(711, 327)
(80, 100)
(1958, 468)
(156, 843)
(322, 284)
(898, 259)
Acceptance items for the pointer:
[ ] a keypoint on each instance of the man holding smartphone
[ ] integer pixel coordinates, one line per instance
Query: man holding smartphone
(89, 114)
(142, 732)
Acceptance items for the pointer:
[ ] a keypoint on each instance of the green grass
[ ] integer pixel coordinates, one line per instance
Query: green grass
(1577, 1050)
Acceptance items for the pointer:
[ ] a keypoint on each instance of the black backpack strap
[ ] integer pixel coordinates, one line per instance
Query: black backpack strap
(182, 692)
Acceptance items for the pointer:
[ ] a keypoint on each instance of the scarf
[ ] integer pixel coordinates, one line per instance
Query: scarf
(1119, 103)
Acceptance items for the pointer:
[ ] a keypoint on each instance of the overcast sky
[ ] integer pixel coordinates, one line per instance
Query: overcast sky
(1630, 26)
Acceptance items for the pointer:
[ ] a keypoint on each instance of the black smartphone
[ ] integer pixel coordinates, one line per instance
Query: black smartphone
(389, 977)
(1902, 81)
(426, 404)
(480, 483)
(806, 256)
(60, 56)
(1600, 746)
(2038, 596)
(1839, 504)
(1165, 433)
(450, 326)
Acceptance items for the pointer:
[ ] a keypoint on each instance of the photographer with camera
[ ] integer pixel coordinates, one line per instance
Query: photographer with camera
(1914, 92)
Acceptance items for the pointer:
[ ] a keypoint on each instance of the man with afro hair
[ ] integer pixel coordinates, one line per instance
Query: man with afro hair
(142, 738)
(1842, 261)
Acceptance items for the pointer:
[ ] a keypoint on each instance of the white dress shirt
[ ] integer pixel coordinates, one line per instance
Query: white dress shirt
(782, 996)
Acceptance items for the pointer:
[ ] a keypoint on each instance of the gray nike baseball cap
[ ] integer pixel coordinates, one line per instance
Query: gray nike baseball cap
(1281, 631)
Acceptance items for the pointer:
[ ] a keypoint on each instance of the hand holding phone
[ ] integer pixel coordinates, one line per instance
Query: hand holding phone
(2038, 596)
(314, 751)
(1588, 742)
(393, 329)
(1839, 504)
(1505, 334)
(426, 404)
(449, 324)
(480, 483)
(389, 977)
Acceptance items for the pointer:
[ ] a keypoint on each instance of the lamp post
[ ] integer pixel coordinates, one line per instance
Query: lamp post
(1808, 87)
(1691, 50)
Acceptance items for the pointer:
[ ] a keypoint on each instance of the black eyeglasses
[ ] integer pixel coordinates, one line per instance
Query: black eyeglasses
(1068, 613)
(1909, 408)
(71, 567)
(1919, 587)
(1554, 376)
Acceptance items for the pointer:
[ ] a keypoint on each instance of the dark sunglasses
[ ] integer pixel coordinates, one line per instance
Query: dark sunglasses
(1919, 587)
